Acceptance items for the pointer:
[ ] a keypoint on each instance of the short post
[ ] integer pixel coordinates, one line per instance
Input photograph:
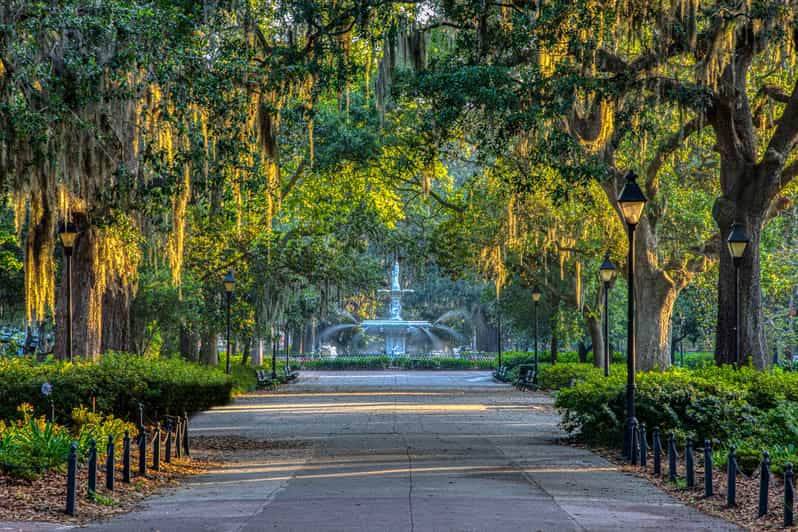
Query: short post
(156, 448)
(731, 478)
(142, 453)
(688, 458)
(126, 458)
(72, 479)
(708, 491)
(168, 457)
(671, 457)
(643, 446)
(92, 485)
(635, 450)
(178, 437)
(764, 484)
(657, 451)
(109, 464)
(185, 435)
(141, 415)
(789, 495)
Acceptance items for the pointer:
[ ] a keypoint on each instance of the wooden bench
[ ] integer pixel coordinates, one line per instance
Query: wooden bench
(527, 378)
(290, 375)
(264, 378)
(500, 374)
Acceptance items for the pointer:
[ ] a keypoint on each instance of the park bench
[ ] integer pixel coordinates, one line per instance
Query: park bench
(500, 374)
(264, 378)
(290, 375)
(526, 378)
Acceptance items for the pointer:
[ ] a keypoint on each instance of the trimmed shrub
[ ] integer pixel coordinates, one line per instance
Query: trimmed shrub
(115, 385)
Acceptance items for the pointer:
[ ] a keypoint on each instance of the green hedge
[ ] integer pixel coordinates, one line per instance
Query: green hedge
(383, 362)
(751, 409)
(115, 385)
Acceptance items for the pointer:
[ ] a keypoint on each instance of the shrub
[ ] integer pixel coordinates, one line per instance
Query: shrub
(565, 375)
(116, 384)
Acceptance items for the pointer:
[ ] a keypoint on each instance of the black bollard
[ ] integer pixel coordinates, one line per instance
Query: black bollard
(72, 478)
(141, 415)
(92, 485)
(657, 451)
(126, 458)
(185, 435)
(643, 447)
(731, 478)
(179, 438)
(635, 450)
(142, 453)
(764, 484)
(671, 457)
(708, 491)
(109, 464)
(168, 456)
(156, 448)
(690, 466)
(789, 495)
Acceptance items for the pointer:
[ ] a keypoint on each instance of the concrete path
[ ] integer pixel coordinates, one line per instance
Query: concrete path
(405, 451)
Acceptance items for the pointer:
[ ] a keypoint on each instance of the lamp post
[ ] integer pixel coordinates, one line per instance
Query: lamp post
(536, 298)
(631, 201)
(738, 242)
(274, 358)
(499, 330)
(229, 285)
(607, 273)
(68, 234)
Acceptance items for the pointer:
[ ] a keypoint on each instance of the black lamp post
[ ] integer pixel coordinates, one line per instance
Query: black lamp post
(229, 285)
(536, 298)
(68, 234)
(499, 330)
(738, 242)
(274, 358)
(607, 273)
(631, 201)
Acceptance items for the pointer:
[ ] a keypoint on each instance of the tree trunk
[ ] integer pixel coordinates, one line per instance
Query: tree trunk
(752, 330)
(189, 344)
(209, 350)
(597, 337)
(116, 318)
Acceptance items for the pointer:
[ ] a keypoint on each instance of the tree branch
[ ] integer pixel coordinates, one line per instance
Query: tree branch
(673, 143)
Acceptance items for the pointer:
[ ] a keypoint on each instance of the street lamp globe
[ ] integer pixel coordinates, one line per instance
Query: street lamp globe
(631, 200)
(738, 241)
(536, 294)
(607, 269)
(229, 281)
(68, 233)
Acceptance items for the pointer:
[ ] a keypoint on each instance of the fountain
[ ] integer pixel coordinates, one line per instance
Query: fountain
(394, 329)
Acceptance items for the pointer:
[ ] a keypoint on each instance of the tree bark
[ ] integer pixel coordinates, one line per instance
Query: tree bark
(189, 344)
(209, 352)
(597, 337)
(555, 343)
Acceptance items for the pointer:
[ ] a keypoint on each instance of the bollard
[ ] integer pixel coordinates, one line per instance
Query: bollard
(168, 456)
(142, 453)
(141, 415)
(789, 493)
(708, 491)
(126, 458)
(109, 464)
(72, 478)
(156, 448)
(731, 478)
(671, 457)
(92, 485)
(643, 447)
(178, 437)
(635, 450)
(185, 435)
(657, 451)
(764, 484)
(689, 465)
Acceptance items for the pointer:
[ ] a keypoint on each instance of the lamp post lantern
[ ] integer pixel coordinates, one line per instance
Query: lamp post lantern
(631, 201)
(607, 273)
(738, 242)
(229, 285)
(536, 299)
(68, 233)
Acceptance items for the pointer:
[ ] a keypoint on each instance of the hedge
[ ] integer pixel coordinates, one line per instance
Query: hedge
(114, 385)
(750, 409)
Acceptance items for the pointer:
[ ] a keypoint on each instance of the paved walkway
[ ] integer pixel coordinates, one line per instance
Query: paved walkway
(406, 451)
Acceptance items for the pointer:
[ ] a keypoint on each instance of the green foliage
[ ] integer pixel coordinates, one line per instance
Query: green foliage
(566, 374)
(116, 384)
(746, 408)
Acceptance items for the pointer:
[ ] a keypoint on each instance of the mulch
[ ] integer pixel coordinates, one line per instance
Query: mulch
(744, 514)
(44, 498)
